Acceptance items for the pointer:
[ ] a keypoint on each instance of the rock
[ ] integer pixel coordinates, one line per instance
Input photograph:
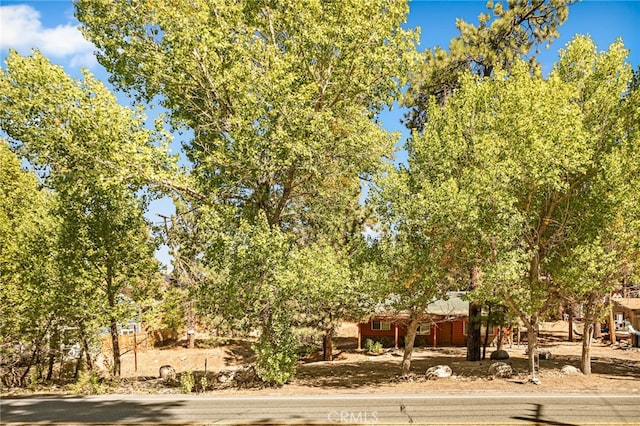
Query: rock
(167, 373)
(570, 370)
(225, 376)
(438, 372)
(501, 369)
(501, 354)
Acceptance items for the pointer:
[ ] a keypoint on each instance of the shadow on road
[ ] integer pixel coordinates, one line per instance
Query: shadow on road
(84, 410)
(537, 417)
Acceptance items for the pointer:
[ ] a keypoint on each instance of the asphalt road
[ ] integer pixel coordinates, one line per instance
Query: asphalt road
(362, 409)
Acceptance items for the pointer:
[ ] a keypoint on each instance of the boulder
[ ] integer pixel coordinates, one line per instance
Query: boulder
(570, 370)
(438, 372)
(501, 369)
(500, 354)
(167, 373)
(225, 376)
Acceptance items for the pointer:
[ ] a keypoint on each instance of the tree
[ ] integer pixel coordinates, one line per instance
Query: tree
(29, 295)
(530, 177)
(497, 42)
(480, 49)
(97, 156)
(421, 213)
(591, 273)
(331, 287)
(604, 251)
(280, 97)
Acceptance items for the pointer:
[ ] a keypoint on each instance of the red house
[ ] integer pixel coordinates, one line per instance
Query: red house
(444, 324)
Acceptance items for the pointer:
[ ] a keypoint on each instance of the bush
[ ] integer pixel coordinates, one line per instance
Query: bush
(89, 383)
(204, 383)
(187, 381)
(276, 358)
(373, 347)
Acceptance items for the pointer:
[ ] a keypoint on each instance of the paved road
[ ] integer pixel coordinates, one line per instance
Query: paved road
(367, 409)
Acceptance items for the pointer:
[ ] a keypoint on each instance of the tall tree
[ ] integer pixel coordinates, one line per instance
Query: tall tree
(603, 252)
(497, 41)
(280, 96)
(532, 178)
(97, 156)
(30, 297)
(501, 37)
(421, 212)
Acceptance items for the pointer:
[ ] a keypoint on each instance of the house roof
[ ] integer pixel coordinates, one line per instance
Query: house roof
(453, 305)
(632, 303)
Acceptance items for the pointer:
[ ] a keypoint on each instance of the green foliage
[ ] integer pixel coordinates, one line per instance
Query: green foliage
(204, 383)
(373, 347)
(537, 193)
(88, 383)
(498, 41)
(279, 95)
(167, 310)
(187, 381)
(31, 290)
(98, 158)
(280, 98)
(277, 356)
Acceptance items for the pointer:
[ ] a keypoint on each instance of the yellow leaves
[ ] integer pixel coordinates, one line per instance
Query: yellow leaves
(412, 279)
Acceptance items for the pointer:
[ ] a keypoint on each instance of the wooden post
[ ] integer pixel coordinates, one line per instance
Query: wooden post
(395, 340)
(191, 336)
(135, 354)
(435, 336)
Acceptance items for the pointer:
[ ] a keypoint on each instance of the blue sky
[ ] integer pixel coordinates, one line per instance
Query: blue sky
(50, 26)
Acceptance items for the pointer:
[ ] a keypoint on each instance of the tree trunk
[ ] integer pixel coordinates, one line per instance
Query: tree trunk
(571, 325)
(409, 341)
(113, 328)
(500, 344)
(85, 346)
(54, 349)
(486, 335)
(327, 345)
(76, 374)
(612, 323)
(587, 337)
(35, 355)
(597, 330)
(532, 343)
(113, 323)
(475, 319)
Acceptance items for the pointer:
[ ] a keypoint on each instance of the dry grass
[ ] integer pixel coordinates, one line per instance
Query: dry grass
(615, 370)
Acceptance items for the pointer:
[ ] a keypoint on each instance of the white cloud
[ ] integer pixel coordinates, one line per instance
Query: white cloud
(22, 30)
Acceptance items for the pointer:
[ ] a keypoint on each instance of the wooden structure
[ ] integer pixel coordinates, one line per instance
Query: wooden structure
(444, 323)
(626, 310)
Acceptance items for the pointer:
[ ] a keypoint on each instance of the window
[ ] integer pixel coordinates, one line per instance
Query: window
(381, 325)
(424, 328)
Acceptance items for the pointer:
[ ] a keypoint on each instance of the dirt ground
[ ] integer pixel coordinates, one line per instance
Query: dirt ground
(615, 369)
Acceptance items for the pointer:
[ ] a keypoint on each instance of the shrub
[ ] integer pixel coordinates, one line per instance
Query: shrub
(276, 357)
(373, 347)
(187, 381)
(88, 383)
